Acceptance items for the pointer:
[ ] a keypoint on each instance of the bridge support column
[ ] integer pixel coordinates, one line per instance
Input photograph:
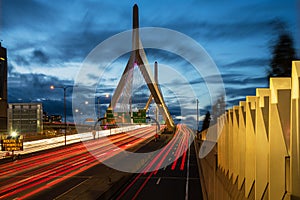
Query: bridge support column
(279, 136)
(250, 144)
(262, 143)
(295, 132)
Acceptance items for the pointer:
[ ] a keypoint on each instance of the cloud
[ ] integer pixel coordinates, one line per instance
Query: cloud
(233, 93)
(242, 80)
(21, 60)
(39, 56)
(36, 88)
(26, 59)
(47, 42)
(248, 62)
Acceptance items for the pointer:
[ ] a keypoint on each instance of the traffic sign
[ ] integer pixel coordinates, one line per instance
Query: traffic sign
(10, 143)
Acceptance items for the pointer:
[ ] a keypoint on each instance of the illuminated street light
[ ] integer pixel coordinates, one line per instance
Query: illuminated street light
(14, 134)
(52, 87)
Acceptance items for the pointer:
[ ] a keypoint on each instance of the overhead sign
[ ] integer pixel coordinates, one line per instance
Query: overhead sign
(139, 117)
(9, 143)
(110, 116)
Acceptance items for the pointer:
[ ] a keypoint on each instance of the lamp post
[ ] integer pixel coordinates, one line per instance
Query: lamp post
(52, 87)
(99, 104)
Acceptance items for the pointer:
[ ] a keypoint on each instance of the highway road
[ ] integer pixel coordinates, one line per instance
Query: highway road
(30, 176)
(39, 145)
(72, 172)
(178, 180)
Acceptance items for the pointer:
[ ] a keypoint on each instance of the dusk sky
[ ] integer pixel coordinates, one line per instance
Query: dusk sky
(47, 41)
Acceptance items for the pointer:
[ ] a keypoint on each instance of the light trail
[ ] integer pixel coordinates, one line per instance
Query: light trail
(38, 145)
(43, 171)
(179, 144)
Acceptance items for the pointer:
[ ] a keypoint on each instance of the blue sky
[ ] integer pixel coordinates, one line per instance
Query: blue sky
(47, 41)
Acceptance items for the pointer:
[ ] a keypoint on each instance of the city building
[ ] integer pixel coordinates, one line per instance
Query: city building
(46, 118)
(51, 118)
(3, 90)
(55, 118)
(25, 117)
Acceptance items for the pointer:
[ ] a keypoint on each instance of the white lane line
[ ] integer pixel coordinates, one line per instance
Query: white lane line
(165, 168)
(187, 177)
(61, 195)
(157, 182)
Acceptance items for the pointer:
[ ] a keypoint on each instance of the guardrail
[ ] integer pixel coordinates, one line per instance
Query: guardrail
(259, 140)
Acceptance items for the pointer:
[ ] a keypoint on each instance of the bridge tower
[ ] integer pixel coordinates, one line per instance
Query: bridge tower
(138, 59)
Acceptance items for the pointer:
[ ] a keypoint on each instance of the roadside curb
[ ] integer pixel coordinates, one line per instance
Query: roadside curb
(203, 186)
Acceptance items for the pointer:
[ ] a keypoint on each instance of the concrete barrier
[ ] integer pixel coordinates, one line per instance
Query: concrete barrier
(295, 133)
(258, 150)
(262, 143)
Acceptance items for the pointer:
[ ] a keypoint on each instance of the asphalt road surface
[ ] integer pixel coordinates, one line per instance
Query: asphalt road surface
(178, 180)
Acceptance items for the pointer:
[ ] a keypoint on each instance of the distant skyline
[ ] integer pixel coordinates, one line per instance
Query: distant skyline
(47, 42)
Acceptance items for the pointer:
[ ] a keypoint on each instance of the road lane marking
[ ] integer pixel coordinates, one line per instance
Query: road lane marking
(157, 182)
(61, 195)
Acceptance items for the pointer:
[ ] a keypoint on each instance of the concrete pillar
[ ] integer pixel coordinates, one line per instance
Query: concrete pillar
(262, 142)
(250, 144)
(295, 132)
(242, 143)
(279, 136)
(235, 145)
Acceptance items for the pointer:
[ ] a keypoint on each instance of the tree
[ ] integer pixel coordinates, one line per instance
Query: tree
(206, 121)
(283, 54)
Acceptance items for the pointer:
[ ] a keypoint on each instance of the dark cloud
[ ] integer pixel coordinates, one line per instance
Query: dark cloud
(233, 93)
(252, 62)
(242, 80)
(36, 56)
(21, 60)
(36, 88)
(39, 56)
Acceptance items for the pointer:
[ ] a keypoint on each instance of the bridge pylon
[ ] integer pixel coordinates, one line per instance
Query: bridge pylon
(138, 59)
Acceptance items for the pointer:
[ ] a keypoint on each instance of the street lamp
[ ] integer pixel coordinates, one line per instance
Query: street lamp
(52, 87)
(99, 104)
